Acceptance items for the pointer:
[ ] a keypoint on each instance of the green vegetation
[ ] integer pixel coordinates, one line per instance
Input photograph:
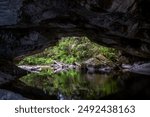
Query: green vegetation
(70, 50)
(73, 84)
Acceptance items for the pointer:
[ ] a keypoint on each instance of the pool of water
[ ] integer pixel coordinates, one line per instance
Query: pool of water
(75, 85)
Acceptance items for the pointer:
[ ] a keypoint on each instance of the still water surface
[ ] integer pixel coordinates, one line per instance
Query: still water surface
(75, 85)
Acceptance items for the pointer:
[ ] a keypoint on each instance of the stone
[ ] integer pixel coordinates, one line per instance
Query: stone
(8, 95)
(98, 63)
(9, 11)
(126, 66)
(141, 69)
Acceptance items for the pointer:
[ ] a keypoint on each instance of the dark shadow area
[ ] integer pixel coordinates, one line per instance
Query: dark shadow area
(27, 91)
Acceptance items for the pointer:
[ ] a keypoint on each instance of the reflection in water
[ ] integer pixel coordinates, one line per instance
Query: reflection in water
(78, 85)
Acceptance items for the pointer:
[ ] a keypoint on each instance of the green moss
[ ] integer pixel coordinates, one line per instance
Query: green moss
(70, 50)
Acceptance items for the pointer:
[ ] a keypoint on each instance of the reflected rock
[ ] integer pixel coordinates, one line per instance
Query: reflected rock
(9, 72)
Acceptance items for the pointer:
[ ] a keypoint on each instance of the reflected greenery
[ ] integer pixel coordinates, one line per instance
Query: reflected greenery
(73, 84)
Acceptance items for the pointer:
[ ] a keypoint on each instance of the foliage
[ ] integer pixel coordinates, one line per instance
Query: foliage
(36, 59)
(72, 84)
(70, 50)
(109, 53)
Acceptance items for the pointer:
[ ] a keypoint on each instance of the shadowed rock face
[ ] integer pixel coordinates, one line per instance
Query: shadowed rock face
(29, 26)
(10, 72)
(9, 11)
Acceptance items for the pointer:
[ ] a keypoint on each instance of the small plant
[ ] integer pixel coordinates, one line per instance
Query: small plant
(70, 50)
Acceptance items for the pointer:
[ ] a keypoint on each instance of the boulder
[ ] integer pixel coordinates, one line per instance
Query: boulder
(8, 95)
(98, 63)
(141, 69)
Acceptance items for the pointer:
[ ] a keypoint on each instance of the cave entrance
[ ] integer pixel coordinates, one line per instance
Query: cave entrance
(76, 68)
(70, 50)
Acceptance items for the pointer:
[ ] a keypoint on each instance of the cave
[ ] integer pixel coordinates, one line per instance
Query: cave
(28, 27)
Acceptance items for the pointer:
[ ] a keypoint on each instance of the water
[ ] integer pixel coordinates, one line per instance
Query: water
(75, 85)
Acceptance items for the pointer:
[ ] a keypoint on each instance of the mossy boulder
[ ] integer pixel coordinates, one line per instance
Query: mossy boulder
(96, 62)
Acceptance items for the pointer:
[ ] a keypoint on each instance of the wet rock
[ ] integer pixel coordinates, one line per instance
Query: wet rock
(126, 66)
(98, 63)
(138, 68)
(8, 95)
(141, 69)
(105, 69)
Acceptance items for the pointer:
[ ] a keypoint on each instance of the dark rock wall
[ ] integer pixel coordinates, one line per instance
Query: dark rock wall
(9, 11)
(29, 26)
